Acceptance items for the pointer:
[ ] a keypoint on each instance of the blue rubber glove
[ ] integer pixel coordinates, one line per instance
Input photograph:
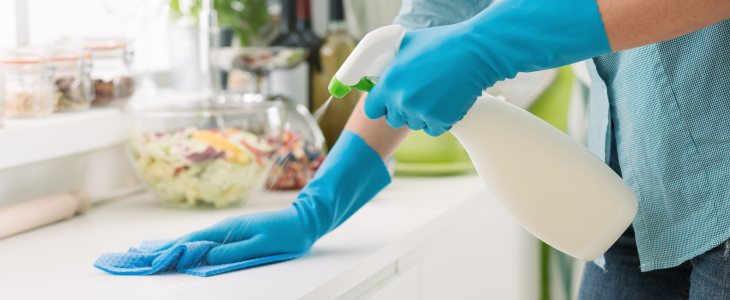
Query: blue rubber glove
(349, 177)
(439, 72)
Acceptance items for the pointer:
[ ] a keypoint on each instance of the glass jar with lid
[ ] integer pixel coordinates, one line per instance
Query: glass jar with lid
(110, 71)
(74, 89)
(2, 97)
(28, 79)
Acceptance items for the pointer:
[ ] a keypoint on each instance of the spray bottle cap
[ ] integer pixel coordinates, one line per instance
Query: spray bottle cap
(339, 89)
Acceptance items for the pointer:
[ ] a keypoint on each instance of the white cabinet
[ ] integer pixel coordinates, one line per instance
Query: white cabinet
(486, 256)
(404, 287)
(465, 267)
(492, 258)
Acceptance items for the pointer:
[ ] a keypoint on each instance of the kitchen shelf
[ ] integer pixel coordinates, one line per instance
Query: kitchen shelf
(24, 141)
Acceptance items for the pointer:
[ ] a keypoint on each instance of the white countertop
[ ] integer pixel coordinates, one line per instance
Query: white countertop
(56, 262)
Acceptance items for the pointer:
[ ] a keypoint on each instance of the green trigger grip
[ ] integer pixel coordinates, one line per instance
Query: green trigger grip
(339, 89)
(365, 85)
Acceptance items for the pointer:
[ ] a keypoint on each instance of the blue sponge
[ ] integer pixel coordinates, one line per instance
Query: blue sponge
(187, 258)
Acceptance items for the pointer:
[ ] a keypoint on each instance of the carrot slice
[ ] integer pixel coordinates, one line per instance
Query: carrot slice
(255, 152)
(216, 140)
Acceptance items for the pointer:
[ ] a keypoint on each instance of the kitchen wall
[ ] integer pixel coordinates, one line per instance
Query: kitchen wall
(50, 19)
(8, 23)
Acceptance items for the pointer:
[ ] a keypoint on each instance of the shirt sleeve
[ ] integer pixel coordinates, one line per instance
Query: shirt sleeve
(417, 14)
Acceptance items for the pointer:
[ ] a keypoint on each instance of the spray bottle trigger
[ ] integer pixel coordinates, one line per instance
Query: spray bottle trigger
(365, 85)
(339, 89)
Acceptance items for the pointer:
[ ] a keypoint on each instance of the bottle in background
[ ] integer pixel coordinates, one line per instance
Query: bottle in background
(337, 46)
(304, 27)
(293, 83)
(288, 34)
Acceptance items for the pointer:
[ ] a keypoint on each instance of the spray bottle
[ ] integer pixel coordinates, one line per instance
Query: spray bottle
(555, 188)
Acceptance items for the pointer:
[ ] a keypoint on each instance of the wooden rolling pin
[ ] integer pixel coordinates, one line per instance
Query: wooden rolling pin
(42, 211)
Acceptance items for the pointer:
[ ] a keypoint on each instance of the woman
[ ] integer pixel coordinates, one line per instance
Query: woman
(659, 116)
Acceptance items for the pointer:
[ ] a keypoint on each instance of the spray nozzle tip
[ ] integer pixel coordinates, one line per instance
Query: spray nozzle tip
(337, 88)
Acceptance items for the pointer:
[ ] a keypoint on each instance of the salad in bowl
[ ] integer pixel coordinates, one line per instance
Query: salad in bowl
(206, 156)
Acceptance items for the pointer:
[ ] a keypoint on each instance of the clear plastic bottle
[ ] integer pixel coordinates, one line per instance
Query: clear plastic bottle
(28, 75)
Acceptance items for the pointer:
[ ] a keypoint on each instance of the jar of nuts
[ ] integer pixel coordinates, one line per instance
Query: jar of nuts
(74, 89)
(28, 80)
(110, 71)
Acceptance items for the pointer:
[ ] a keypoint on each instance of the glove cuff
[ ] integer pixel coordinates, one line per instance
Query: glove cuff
(350, 150)
(534, 35)
(351, 175)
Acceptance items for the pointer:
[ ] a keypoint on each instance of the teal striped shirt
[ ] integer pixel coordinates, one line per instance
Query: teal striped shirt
(667, 108)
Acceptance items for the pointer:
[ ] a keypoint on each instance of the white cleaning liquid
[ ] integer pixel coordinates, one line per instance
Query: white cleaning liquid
(553, 186)
(557, 189)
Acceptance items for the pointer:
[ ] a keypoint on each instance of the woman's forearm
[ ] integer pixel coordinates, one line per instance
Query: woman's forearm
(376, 133)
(634, 23)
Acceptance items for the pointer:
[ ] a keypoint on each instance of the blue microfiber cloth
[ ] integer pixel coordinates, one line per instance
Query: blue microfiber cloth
(187, 258)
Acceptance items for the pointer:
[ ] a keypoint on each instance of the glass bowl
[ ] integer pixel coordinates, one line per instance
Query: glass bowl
(303, 144)
(205, 154)
(302, 152)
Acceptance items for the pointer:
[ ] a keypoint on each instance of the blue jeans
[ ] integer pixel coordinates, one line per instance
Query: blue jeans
(705, 277)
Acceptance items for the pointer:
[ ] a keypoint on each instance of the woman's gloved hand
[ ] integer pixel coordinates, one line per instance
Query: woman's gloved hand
(439, 72)
(349, 177)
(251, 236)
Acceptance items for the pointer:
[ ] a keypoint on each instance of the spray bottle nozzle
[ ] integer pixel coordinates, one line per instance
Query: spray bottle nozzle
(339, 89)
(367, 61)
